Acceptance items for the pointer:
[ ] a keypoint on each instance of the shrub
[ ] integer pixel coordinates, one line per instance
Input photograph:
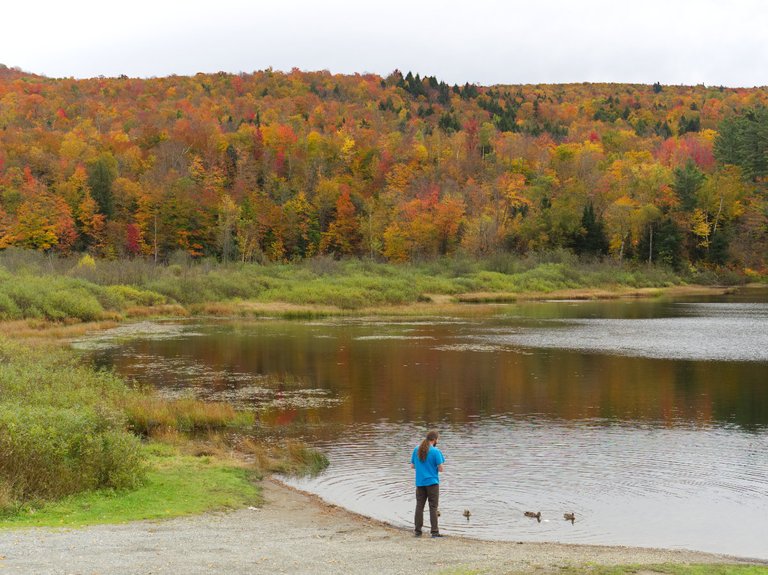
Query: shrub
(8, 307)
(129, 295)
(86, 261)
(53, 298)
(48, 452)
(61, 431)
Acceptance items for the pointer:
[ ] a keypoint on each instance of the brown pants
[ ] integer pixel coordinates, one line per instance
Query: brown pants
(429, 493)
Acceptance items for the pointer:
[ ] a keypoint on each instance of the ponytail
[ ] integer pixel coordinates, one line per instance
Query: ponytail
(424, 446)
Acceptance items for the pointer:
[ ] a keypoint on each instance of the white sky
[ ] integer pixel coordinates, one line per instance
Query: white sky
(714, 42)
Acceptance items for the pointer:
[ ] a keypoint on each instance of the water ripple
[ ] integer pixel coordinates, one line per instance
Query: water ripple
(627, 485)
(728, 336)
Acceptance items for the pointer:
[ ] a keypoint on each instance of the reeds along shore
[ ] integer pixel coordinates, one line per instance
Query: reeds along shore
(35, 286)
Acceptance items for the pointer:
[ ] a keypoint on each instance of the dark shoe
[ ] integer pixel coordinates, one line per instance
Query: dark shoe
(417, 533)
(435, 535)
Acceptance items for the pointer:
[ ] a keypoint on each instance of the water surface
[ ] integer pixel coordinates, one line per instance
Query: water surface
(647, 419)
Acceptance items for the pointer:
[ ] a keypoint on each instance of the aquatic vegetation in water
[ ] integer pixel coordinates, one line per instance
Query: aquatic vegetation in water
(480, 347)
(146, 330)
(375, 337)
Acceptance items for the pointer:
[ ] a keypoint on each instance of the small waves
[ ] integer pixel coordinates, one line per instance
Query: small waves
(723, 338)
(626, 485)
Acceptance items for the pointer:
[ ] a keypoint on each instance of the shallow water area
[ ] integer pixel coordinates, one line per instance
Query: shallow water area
(648, 419)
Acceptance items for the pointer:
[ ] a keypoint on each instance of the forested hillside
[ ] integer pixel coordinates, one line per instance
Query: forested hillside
(275, 166)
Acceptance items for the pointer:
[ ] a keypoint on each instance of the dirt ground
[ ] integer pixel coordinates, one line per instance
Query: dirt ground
(293, 533)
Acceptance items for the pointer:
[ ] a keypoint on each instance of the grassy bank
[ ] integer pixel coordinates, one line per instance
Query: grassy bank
(33, 285)
(174, 485)
(77, 446)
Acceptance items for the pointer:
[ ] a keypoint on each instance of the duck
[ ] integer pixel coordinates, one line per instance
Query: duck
(569, 517)
(534, 514)
(467, 514)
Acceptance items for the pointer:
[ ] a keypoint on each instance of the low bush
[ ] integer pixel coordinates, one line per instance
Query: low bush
(61, 430)
(49, 452)
(129, 295)
(49, 297)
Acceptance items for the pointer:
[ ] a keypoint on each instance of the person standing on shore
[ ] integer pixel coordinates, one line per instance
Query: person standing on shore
(428, 461)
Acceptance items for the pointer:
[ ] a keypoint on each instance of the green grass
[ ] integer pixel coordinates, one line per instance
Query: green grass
(668, 569)
(175, 485)
(665, 569)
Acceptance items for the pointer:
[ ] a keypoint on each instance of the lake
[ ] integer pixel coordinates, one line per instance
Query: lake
(648, 419)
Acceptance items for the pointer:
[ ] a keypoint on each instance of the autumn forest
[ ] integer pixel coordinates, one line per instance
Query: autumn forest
(274, 166)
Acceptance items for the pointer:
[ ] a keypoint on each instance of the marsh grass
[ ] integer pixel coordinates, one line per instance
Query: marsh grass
(58, 289)
(151, 415)
(289, 457)
(40, 332)
(284, 381)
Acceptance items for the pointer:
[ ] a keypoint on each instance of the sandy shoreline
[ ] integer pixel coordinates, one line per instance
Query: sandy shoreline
(294, 532)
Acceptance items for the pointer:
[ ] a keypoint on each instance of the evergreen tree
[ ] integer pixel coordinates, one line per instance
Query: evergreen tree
(663, 130)
(661, 243)
(743, 141)
(102, 172)
(688, 180)
(591, 240)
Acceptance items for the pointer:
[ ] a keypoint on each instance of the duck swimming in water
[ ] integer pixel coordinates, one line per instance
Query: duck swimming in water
(467, 514)
(569, 517)
(534, 515)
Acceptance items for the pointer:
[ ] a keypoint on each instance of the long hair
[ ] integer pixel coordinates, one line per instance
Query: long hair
(424, 446)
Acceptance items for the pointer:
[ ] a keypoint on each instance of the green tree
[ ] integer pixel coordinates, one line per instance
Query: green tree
(743, 141)
(102, 172)
(591, 238)
(687, 182)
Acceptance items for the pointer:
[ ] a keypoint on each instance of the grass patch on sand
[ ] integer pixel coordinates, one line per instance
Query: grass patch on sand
(664, 569)
(667, 569)
(175, 485)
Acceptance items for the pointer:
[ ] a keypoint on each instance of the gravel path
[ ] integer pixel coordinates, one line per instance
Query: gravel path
(292, 533)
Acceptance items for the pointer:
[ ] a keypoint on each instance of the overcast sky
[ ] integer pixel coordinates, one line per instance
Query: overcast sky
(714, 42)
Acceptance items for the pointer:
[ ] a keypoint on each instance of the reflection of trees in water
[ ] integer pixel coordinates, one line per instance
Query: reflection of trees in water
(411, 381)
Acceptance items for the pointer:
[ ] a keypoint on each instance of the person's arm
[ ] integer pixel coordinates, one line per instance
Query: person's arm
(440, 468)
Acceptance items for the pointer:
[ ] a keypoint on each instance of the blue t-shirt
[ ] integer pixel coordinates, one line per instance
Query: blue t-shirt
(426, 471)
